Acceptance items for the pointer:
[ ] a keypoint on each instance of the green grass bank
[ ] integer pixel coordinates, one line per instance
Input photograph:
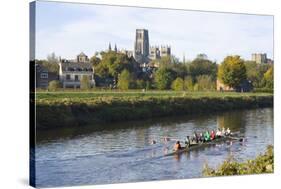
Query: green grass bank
(55, 110)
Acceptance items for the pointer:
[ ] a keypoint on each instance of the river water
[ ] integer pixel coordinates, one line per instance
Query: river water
(119, 153)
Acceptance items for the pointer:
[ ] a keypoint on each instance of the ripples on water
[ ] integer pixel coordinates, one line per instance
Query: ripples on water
(122, 152)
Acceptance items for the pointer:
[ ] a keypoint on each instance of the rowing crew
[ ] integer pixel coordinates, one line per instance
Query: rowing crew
(203, 137)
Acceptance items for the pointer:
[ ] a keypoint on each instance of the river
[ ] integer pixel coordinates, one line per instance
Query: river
(122, 152)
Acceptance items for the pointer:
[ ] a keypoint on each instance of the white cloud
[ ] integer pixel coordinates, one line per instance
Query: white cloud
(189, 32)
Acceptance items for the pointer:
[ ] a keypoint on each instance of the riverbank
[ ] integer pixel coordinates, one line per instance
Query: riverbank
(263, 163)
(74, 109)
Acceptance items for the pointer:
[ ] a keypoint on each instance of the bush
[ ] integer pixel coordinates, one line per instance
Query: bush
(205, 83)
(85, 82)
(262, 164)
(188, 83)
(54, 85)
(163, 78)
(140, 84)
(124, 80)
(178, 84)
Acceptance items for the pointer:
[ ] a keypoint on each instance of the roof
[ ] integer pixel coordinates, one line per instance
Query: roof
(82, 54)
(75, 65)
(40, 68)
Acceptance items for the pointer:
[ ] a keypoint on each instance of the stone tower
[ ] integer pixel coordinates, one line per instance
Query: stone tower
(141, 49)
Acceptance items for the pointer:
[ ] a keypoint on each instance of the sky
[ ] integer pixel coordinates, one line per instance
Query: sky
(70, 28)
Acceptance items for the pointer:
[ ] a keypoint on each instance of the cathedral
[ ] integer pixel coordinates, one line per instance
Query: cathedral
(143, 53)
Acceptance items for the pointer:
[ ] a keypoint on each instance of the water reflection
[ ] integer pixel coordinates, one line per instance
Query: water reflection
(234, 120)
(96, 155)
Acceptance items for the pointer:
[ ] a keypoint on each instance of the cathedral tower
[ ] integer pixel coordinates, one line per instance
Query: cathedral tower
(141, 43)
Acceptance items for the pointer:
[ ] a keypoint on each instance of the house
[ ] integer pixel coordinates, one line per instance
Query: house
(70, 73)
(245, 86)
(43, 76)
(222, 87)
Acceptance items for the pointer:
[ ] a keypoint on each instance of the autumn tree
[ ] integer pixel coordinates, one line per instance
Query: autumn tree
(232, 71)
(268, 78)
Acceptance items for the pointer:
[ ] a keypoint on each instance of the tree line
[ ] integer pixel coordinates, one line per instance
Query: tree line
(117, 70)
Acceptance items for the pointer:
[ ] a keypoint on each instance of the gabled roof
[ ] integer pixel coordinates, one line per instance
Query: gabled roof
(82, 54)
(75, 65)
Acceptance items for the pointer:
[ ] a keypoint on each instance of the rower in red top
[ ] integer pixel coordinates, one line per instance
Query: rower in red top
(213, 135)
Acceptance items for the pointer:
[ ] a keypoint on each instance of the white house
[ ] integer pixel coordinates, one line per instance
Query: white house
(70, 73)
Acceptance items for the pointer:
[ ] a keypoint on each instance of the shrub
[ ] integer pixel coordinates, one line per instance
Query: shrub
(188, 83)
(163, 78)
(124, 80)
(262, 164)
(54, 85)
(205, 83)
(178, 84)
(85, 82)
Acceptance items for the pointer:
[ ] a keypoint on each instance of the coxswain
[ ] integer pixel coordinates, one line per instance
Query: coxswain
(177, 146)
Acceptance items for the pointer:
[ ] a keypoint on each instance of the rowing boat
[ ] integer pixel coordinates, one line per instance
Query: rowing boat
(202, 145)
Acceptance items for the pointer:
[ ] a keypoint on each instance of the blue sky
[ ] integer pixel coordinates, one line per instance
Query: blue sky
(67, 29)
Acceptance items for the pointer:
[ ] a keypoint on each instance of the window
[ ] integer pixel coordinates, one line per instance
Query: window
(44, 75)
(76, 78)
(67, 77)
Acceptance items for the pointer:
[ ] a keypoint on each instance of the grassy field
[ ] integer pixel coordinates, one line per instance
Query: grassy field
(71, 95)
(92, 108)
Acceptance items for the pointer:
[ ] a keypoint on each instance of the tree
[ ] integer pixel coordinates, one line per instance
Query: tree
(112, 64)
(140, 84)
(268, 78)
(178, 84)
(52, 58)
(49, 66)
(163, 78)
(200, 66)
(255, 73)
(232, 71)
(85, 82)
(188, 83)
(205, 82)
(95, 60)
(202, 56)
(54, 85)
(124, 80)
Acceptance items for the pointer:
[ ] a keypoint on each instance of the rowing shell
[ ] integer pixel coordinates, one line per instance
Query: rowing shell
(202, 145)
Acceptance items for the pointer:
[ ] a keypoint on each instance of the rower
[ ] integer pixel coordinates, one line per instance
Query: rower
(223, 131)
(219, 133)
(207, 136)
(187, 142)
(195, 137)
(201, 137)
(177, 146)
(227, 132)
(213, 135)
